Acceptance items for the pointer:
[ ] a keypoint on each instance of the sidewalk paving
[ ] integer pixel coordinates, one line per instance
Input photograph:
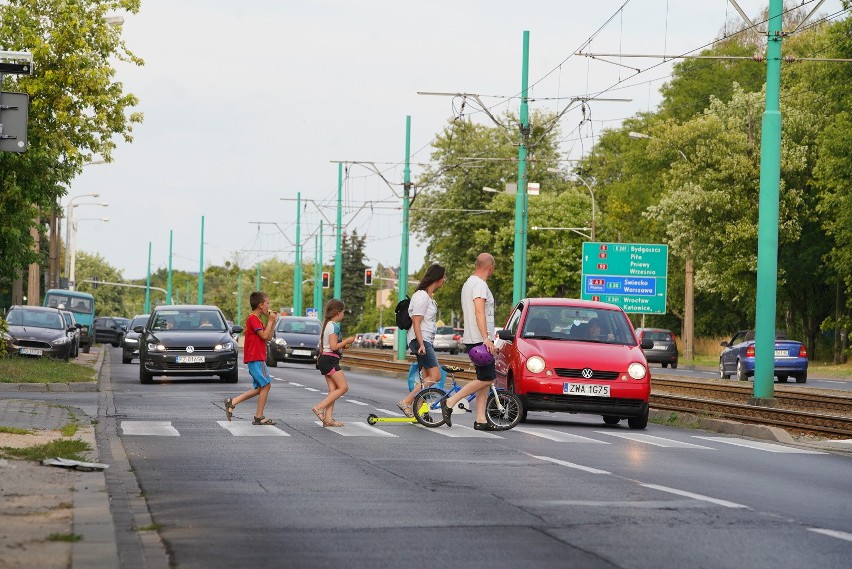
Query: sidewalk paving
(42, 501)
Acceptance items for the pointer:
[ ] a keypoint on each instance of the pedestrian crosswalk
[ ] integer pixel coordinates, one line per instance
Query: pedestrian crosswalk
(241, 428)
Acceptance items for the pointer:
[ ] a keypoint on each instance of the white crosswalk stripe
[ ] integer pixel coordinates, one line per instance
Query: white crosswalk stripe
(245, 429)
(152, 428)
(357, 402)
(460, 431)
(355, 429)
(768, 447)
(557, 436)
(652, 440)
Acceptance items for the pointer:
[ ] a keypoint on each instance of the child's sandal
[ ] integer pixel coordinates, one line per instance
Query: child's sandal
(262, 420)
(229, 408)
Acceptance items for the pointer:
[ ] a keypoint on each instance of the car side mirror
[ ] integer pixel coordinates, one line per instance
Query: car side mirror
(236, 329)
(123, 328)
(647, 344)
(138, 329)
(71, 329)
(506, 335)
(723, 344)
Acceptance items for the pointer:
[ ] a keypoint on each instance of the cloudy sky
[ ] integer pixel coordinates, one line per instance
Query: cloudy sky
(248, 103)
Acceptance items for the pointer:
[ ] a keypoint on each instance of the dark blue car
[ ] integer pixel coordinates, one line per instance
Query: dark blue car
(791, 358)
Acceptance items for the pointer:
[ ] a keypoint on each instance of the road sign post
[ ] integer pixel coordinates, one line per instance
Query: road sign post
(633, 276)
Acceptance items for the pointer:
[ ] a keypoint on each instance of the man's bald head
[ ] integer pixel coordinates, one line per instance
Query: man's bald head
(484, 261)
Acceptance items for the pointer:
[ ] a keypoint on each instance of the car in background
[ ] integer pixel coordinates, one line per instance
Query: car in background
(296, 338)
(664, 351)
(446, 340)
(791, 358)
(387, 339)
(460, 334)
(130, 341)
(187, 340)
(372, 340)
(73, 335)
(123, 322)
(82, 304)
(107, 331)
(37, 331)
(551, 359)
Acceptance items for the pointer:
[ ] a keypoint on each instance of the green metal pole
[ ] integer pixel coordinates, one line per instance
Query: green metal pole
(148, 283)
(169, 286)
(402, 335)
(257, 278)
(297, 269)
(338, 256)
(201, 267)
(187, 292)
(318, 273)
(239, 298)
(767, 232)
(519, 284)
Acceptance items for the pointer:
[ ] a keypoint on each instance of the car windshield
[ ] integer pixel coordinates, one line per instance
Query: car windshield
(36, 319)
(80, 305)
(311, 327)
(445, 330)
(657, 336)
(578, 324)
(193, 319)
(138, 321)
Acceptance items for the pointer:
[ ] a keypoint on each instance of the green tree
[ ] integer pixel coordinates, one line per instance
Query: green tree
(109, 299)
(352, 279)
(76, 108)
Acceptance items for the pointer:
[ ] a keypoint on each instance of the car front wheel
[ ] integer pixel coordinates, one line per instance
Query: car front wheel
(638, 422)
(742, 374)
(722, 373)
(230, 377)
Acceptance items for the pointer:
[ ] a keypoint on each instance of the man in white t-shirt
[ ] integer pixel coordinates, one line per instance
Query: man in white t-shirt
(478, 307)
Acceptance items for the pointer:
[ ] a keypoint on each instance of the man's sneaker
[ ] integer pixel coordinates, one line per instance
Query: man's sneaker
(483, 427)
(447, 412)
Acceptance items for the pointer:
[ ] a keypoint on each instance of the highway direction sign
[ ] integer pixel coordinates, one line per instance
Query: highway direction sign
(631, 275)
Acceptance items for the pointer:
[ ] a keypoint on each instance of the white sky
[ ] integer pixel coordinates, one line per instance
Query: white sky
(248, 102)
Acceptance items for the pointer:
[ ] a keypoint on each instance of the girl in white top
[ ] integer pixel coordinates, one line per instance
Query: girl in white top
(328, 362)
(424, 316)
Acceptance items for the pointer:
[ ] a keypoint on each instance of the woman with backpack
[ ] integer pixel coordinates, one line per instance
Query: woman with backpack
(423, 311)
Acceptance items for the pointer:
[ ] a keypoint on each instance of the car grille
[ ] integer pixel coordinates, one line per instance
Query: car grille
(33, 344)
(577, 373)
(203, 366)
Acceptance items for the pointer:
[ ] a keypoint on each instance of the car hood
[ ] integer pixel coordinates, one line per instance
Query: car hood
(35, 333)
(296, 339)
(183, 338)
(557, 353)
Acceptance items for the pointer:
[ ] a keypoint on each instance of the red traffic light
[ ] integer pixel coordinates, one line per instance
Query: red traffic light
(368, 277)
(326, 277)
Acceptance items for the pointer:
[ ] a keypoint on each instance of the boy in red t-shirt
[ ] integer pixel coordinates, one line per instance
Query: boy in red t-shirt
(254, 355)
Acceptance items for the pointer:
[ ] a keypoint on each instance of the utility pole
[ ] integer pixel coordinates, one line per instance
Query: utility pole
(519, 283)
(169, 285)
(318, 274)
(402, 335)
(147, 309)
(297, 269)
(338, 256)
(201, 267)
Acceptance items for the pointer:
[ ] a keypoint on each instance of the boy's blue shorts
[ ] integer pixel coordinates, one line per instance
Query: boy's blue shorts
(259, 377)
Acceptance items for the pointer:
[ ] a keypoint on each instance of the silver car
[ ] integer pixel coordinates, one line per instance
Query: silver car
(446, 340)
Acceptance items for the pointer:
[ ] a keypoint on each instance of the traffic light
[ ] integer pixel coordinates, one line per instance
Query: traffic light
(326, 277)
(368, 277)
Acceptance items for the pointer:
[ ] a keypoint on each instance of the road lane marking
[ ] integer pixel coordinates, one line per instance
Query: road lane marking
(389, 412)
(354, 429)
(652, 440)
(244, 429)
(296, 384)
(153, 428)
(557, 436)
(358, 402)
(701, 497)
(757, 445)
(833, 533)
(311, 389)
(461, 432)
(570, 464)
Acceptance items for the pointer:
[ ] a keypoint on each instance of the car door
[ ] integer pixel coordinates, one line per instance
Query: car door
(730, 353)
(507, 355)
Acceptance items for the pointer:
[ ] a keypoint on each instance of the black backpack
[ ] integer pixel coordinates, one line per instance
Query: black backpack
(403, 320)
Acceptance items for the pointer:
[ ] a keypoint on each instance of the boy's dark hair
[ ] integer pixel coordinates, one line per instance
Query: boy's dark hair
(256, 298)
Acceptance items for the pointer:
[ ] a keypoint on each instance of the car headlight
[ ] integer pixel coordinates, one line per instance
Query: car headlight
(636, 370)
(536, 364)
(7, 337)
(156, 348)
(223, 347)
(60, 341)
(281, 341)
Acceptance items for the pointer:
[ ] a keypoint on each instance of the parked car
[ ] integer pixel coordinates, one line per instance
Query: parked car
(665, 346)
(374, 340)
(123, 322)
(446, 340)
(73, 332)
(388, 338)
(37, 331)
(295, 338)
(175, 341)
(555, 359)
(108, 331)
(130, 342)
(459, 335)
(791, 358)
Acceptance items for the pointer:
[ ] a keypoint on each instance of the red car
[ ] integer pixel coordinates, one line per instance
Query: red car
(575, 356)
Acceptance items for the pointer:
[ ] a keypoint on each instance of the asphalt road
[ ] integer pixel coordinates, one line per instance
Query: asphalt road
(558, 491)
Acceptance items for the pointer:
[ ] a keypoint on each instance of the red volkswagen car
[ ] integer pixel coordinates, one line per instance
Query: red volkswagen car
(575, 356)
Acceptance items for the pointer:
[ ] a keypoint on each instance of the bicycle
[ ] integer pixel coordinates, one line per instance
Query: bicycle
(503, 410)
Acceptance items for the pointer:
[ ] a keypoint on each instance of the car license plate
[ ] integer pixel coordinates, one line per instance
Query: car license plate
(31, 352)
(659, 346)
(190, 359)
(301, 352)
(781, 353)
(586, 389)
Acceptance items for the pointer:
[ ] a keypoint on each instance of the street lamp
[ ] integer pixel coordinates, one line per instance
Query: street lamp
(591, 193)
(69, 219)
(72, 243)
(688, 282)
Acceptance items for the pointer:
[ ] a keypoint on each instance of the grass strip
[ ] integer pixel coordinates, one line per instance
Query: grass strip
(59, 448)
(18, 369)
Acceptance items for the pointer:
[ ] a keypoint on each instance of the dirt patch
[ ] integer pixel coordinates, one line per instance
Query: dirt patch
(38, 437)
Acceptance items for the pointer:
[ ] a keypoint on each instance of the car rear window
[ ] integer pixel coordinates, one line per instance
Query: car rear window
(657, 336)
(300, 327)
(445, 330)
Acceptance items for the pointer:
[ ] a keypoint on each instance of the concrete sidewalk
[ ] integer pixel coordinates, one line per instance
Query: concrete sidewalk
(43, 500)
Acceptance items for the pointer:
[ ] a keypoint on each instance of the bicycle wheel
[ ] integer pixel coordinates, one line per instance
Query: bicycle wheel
(427, 407)
(509, 416)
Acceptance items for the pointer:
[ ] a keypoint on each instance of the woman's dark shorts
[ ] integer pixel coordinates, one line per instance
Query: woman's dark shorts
(427, 360)
(328, 364)
(484, 373)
